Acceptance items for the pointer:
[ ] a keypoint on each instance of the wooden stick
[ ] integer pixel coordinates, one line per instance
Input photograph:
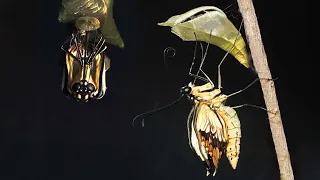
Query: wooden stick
(268, 88)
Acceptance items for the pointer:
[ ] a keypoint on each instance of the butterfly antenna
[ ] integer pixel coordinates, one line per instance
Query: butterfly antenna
(224, 57)
(149, 113)
(166, 53)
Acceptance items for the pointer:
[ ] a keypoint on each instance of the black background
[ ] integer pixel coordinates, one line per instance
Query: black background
(47, 136)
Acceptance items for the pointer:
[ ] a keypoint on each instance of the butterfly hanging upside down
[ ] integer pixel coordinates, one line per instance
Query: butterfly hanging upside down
(85, 64)
(214, 128)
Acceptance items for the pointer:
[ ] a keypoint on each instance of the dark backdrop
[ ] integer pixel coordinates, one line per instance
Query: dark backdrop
(47, 136)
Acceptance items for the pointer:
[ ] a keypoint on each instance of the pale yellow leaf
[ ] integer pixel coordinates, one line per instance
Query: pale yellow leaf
(205, 20)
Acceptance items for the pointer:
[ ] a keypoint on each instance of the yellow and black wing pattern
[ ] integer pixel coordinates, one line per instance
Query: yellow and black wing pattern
(213, 132)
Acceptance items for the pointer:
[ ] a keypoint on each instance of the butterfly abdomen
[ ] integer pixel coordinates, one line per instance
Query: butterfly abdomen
(234, 134)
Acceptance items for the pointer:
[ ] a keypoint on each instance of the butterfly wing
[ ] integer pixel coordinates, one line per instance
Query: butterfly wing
(98, 75)
(234, 134)
(208, 136)
(72, 73)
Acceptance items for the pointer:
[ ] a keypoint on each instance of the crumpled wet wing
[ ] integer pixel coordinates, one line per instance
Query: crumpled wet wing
(208, 136)
(102, 78)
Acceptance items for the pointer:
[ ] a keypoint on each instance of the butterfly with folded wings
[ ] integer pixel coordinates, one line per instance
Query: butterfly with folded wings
(213, 128)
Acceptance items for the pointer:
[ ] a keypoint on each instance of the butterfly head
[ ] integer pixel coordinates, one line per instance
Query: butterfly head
(185, 90)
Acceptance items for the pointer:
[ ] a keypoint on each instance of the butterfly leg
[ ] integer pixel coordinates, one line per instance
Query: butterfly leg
(224, 57)
(255, 106)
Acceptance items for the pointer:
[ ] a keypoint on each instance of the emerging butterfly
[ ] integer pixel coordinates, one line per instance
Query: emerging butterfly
(85, 63)
(213, 128)
(84, 74)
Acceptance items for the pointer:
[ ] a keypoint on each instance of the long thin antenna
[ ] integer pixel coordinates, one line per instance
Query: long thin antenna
(219, 66)
(149, 113)
(165, 52)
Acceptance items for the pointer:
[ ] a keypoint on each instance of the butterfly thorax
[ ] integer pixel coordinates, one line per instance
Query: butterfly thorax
(207, 94)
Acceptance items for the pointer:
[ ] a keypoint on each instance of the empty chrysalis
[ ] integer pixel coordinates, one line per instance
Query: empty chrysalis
(209, 21)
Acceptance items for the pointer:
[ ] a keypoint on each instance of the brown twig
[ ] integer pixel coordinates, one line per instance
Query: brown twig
(261, 65)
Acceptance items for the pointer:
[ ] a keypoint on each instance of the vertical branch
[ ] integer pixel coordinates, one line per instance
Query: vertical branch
(261, 64)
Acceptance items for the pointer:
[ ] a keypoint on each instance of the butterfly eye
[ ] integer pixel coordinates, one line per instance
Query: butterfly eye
(91, 87)
(76, 87)
(185, 90)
